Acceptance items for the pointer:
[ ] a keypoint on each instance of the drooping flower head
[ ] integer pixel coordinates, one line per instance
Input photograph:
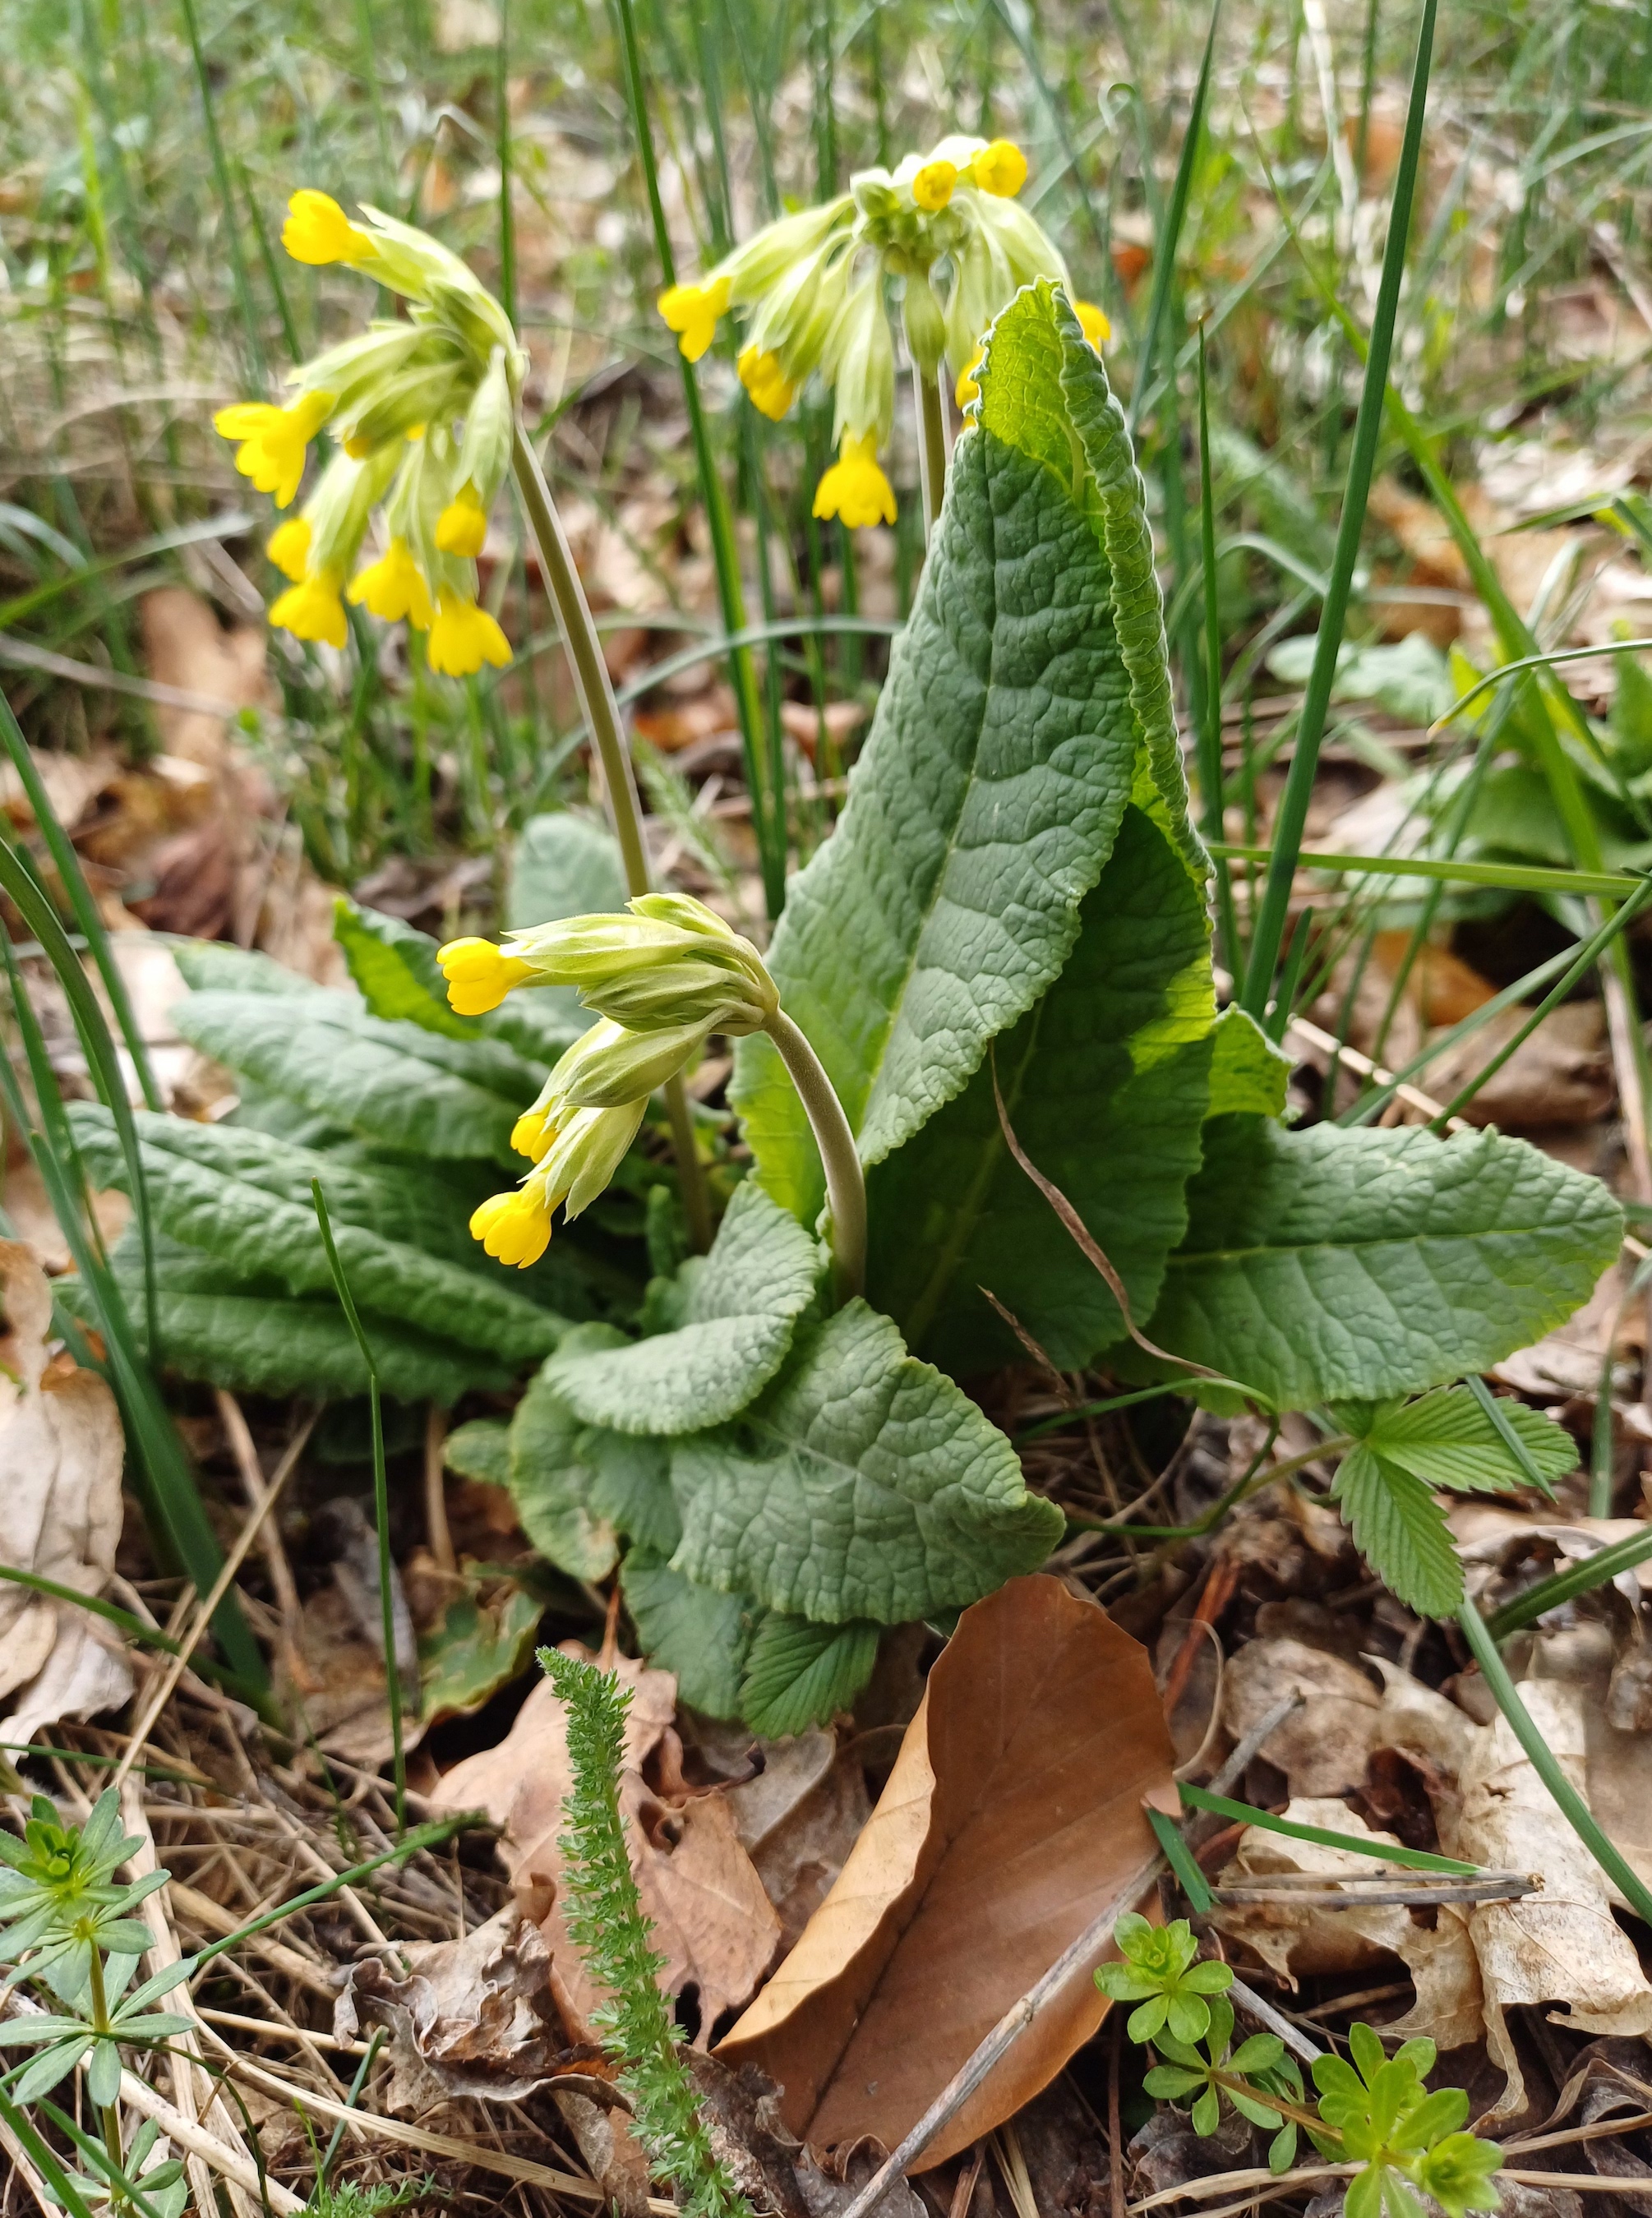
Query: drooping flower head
(424, 411)
(664, 974)
(813, 291)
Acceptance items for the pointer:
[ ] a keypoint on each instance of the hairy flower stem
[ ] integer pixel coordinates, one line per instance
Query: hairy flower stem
(845, 1184)
(596, 696)
(931, 444)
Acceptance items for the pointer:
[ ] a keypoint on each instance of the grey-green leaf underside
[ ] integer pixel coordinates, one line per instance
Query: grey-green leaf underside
(739, 1305)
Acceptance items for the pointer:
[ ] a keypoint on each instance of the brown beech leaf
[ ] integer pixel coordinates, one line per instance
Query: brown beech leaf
(1012, 1815)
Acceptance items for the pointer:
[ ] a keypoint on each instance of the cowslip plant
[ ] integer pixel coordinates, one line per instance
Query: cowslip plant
(67, 1932)
(1374, 2112)
(609, 1927)
(813, 286)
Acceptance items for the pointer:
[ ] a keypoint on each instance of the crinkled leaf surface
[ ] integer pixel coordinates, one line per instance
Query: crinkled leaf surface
(232, 1193)
(739, 1306)
(578, 1486)
(248, 1335)
(862, 1484)
(1004, 748)
(395, 1083)
(562, 864)
(1328, 1264)
(1011, 1822)
(1105, 1082)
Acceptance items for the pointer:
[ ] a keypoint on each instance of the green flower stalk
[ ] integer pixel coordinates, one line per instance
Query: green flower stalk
(427, 411)
(661, 977)
(606, 1921)
(813, 289)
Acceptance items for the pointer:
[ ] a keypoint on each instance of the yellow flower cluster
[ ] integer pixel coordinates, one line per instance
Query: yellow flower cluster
(812, 288)
(664, 975)
(424, 412)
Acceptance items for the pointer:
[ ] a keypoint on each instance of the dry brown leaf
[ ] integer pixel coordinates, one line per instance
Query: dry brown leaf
(1561, 1073)
(1323, 1747)
(799, 1820)
(712, 1919)
(1011, 1818)
(184, 645)
(62, 1450)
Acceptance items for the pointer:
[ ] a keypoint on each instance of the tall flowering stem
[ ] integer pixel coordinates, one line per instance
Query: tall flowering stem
(845, 1184)
(931, 444)
(596, 696)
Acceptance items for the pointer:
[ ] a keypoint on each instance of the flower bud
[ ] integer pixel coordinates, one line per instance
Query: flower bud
(609, 1066)
(862, 356)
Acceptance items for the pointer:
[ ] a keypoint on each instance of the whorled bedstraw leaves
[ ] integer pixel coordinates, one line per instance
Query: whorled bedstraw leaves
(812, 288)
(424, 411)
(661, 975)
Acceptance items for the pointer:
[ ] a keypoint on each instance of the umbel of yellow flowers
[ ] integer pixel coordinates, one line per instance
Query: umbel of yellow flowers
(812, 289)
(423, 412)
(661, 976)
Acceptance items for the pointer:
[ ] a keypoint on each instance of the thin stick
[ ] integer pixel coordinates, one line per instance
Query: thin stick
(282, 1582)
(1247, 1999)
(595, 691)
(436, 1525)
(1003, 2038)
(174, 1671)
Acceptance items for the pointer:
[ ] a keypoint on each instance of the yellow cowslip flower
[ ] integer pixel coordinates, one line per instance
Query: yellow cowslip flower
(289, 548)
(693, 312)
(1093, 322)
(770, 388)
(463, 638)
(932, 186)
(999, 169)
(317, 230)
(533, 1134)
(462, 525)
(967, 389)
(479, 975)
(514, 1228)
(393, 587)
(854, 487)
(273, 441)
(313, 608)
(357, 448)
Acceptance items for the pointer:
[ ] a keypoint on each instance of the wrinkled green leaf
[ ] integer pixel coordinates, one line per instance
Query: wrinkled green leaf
(1327, 1265)
(393, 1083)
(399, 975)
(480, 1451)
(693, 1630)
(551, 1486)
(249, 1336)
(231, 1194)
(1105, 1083)
(1248, 1073)
(1401, 1531)
(218, 966)
(563, 865)
(862, 1483)
(737, 1307)
(1003, 751)
(799, 1674)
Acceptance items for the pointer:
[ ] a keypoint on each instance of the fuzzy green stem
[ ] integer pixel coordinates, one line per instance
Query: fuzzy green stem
(601, 712)
(845, 1184)
(1544, 1762)
(932, 444)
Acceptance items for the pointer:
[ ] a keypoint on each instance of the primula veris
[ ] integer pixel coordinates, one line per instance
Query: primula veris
(479, 975)
(317, 230)
(461, 527)
(313, 610)
(513, 1228)
(856, 488)
(273, 442)
(813, 289)
(462, 636)
(393, 587)
(289, 548)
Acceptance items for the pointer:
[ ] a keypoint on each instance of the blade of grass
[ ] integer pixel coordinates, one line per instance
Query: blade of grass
(43, 2158)
(226, 203)
(1581, 1577)
(502, 148)
(1169, 237)
(1191, 1879)
(230, 525)
(1546, 1764)
(1506, 1431)
(1268, 928)
(1210, 727)
(80, 900)
(1219, 1805)
(1506, 877)
(410, 1844)
(381, 1505)
(768, 806)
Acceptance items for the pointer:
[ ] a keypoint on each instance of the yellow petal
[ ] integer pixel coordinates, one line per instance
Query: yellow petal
(289, 548)
(317, 230)
(463, 636)
(932, 188)
(1093, 322)
(856, 488)
(1000, 169)
(461, 527)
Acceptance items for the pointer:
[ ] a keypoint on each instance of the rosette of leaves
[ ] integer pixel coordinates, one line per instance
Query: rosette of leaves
(1200, 2074)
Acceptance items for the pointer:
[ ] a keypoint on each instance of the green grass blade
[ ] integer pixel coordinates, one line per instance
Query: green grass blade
(410, 1844)
(23, 605)
(1506, 877)
(226, 201)
(1544, 1762)
(1551, 660)
(1220, 1806)
(1177, 1855)
(380, 1504)
(1270, 925)
(1169, 239)
(1506, 1433)
(43, 2158)
(1565, 1586)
